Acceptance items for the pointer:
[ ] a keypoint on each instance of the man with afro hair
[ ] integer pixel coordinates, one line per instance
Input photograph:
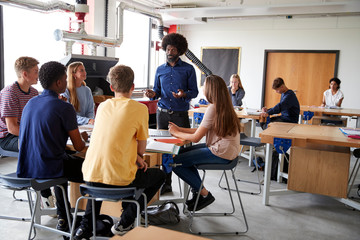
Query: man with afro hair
(175, 85)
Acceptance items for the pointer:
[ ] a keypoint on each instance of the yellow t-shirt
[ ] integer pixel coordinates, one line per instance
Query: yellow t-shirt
(111, 156)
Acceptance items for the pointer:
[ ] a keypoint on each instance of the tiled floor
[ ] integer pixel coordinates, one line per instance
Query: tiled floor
(295, 216)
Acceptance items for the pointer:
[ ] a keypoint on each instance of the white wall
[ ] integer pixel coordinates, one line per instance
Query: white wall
(255, 36)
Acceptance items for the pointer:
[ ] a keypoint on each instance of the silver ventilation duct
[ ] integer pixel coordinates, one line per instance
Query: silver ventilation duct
(40, 6)
(142, 9)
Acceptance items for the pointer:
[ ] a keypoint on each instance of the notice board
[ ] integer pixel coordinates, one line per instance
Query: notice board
(221, 61)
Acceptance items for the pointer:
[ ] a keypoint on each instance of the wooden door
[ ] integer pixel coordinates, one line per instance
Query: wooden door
(307, 73)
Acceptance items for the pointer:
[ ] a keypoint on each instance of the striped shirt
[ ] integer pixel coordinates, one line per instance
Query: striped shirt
(12, 103)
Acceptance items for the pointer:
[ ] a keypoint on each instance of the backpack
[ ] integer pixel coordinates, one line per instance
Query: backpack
(103, 225)
(166, 213)
(275, 163)
(260, 164)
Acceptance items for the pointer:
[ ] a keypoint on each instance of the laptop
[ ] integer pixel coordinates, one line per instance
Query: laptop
(159, 133)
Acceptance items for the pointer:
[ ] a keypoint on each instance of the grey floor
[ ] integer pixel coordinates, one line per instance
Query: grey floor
(294, 216)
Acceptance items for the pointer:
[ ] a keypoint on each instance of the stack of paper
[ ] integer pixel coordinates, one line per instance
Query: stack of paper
(252, 111)
(351, 132)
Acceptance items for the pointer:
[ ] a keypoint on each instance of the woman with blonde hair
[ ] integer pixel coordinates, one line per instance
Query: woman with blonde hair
(236, 90)
(78, 94)
(221, 127)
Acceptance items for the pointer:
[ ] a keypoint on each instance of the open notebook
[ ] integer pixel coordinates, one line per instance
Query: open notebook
(160, 147)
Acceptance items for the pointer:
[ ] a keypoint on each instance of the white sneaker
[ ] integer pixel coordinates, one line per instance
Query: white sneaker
(118, 229)
(47, 202)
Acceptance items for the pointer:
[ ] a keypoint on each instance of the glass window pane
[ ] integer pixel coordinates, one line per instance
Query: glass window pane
(30, 33)
(133, 51)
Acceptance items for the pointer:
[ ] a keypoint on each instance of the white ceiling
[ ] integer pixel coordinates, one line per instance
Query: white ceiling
(196, 12)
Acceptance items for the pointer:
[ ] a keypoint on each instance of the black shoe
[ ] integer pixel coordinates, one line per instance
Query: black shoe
(191, 202)
(62, 225)
(82, 233)
(203, 202)
(165, 189)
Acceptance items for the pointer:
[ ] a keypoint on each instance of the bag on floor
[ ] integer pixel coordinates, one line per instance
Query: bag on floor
(275, 163)
(260, 164)
(167, 213)
(103, 225)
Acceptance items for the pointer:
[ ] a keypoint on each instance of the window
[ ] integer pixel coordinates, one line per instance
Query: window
(133, 51)
(30, 33)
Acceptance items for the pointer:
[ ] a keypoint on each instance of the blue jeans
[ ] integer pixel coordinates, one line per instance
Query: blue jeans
(194, 155)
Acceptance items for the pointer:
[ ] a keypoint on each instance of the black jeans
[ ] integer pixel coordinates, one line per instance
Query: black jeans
(151, 180)
(273, 119)
(10, 143)
(179, 118)
(72, 172)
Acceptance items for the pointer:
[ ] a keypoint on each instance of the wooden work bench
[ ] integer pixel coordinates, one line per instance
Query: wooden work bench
(350, 112)
(319, 160)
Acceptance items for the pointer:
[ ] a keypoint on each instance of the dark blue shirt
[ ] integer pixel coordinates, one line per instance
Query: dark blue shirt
(288, 107)
(236, 98)
(45, 123)
(169, 79)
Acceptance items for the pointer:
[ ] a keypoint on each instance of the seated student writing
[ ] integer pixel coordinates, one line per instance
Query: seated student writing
(288, 106)
(46, 124)
(222, 130)
(236, 90)
(115, 154)
(333, 97)
(78, 94)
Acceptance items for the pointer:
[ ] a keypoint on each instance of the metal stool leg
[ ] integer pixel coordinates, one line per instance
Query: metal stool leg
(240, 180)
(193, 215)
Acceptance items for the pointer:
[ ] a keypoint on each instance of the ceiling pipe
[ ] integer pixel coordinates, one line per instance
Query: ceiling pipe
(150, 12)
(40, 6)
(80, 10)
(91, 40)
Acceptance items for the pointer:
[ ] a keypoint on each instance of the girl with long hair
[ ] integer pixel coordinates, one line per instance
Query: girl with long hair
(78, 94)
(221, 127)
(236, 90)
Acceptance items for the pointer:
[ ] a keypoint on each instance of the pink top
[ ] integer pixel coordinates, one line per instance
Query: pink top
(12, 103)
(227, 147)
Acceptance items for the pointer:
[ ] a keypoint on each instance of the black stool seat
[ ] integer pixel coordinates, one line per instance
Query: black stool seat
(115, 194)
(357, 153)
(228, 166)
(250, 141)
(42, 184)
(215, 215)
(93, 193)
(11, 181)
(6, 153)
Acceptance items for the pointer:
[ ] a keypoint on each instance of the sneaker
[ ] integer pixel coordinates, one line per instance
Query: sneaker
(165, 189)
(118, 229)
(82, 233)
(62, 225)
(203, 202)
(48, 202)
(191, 202)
